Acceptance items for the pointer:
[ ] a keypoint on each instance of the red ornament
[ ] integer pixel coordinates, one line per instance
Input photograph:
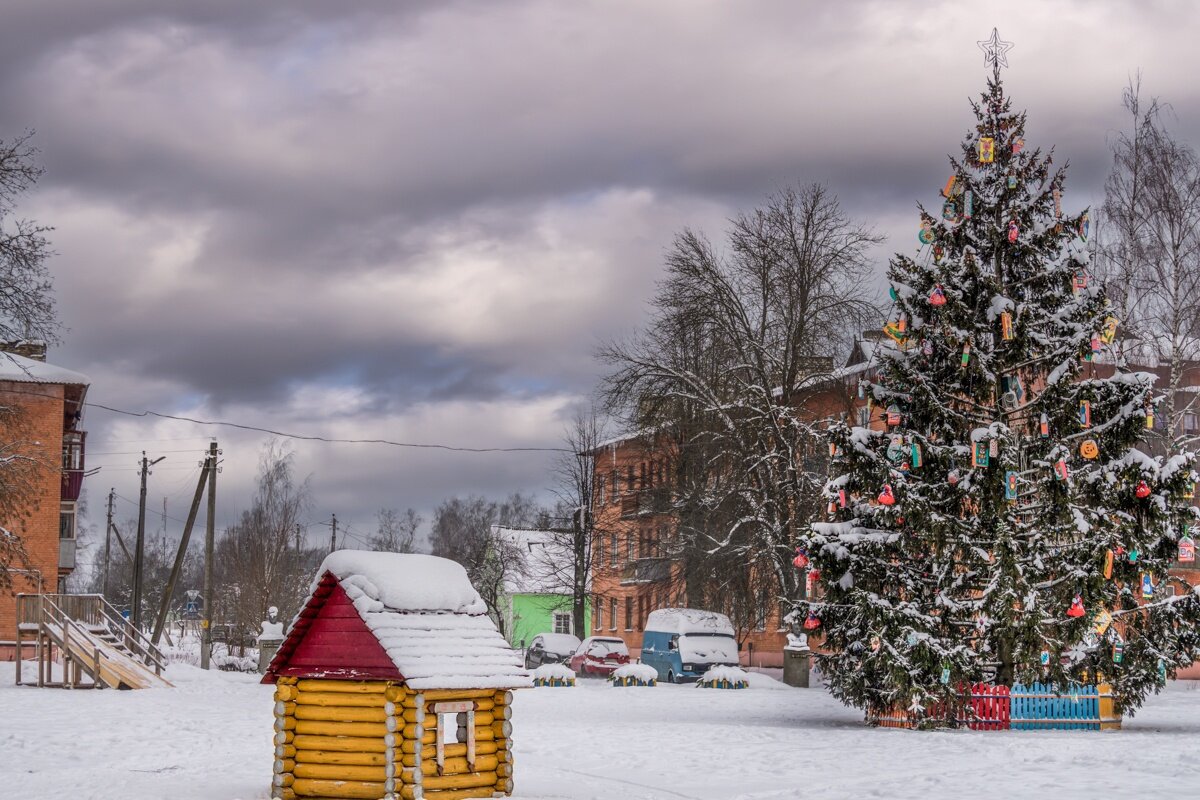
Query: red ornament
(812, 623)
(1076, 609)
(1013, 230)
(801, 559)
(937, 297)
(886, 497)
(1143, 490)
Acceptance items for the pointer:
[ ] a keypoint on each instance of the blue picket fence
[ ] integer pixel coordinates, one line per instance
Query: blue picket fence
(1041, 706)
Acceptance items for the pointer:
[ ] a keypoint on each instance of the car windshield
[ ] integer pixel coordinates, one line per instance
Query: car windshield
(604, 647)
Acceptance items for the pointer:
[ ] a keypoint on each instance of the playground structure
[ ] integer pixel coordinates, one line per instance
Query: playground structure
(393, 683)
(98, 647)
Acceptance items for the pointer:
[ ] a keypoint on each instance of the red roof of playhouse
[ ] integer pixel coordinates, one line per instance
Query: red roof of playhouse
(394, 616)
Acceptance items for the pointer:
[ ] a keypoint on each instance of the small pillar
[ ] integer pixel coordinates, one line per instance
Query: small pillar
(796, 657)
(270, 639)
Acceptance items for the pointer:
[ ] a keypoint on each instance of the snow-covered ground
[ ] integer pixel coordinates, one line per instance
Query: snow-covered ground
(210, 739)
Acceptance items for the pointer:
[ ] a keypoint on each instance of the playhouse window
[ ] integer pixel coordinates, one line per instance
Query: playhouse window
(455, 725)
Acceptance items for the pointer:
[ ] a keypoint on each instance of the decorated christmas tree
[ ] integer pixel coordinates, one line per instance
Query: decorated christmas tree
(1012, 522)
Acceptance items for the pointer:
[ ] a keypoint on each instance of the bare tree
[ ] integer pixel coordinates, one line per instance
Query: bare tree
(257, 560)
(397, 532)
(737, 343)
(1151, 251)
(465, 531)
(26, 301)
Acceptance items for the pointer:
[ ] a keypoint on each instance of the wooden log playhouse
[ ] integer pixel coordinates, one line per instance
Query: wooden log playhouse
(393, 683)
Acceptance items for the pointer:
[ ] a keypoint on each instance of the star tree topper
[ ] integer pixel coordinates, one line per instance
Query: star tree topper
(995, 50)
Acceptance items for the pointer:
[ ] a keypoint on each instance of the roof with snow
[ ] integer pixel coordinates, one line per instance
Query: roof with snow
(27, 370)
(545, 564)
(397, 616)
(688, 620)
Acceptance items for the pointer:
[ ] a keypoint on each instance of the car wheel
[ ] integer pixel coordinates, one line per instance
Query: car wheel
(671, 677)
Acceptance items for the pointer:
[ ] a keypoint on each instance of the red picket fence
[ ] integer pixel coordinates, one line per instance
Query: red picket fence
(980, 707)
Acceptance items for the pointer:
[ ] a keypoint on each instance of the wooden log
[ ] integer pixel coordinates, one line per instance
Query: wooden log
(341, 713)
(287, 680)
(284, 737)
(452, 794)
(504, 697)
(429, 753)
(371, 700)
(349, 758)
(285, 751)
(468, 780)
(504, 770)
(342, 744)
(455, 694)
(397, 694)
(285, 723)
(501, 730)
(460, 765)
(284, 708)
(284, 779)
(285, 692)
(505, 785)
(366, 790)
(344, 687)
(409, 732)
(284, 765)
(502, 712)
(341, 772)
(325, 728)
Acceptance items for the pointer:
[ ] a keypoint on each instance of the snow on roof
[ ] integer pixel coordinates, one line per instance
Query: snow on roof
(688, 620)
(27, 370)
(544, 562)
(428, 618)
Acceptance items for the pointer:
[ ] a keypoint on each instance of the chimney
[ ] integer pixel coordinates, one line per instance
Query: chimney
(27, 348)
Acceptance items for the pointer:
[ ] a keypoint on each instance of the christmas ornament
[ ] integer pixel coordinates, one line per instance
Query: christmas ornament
(1060, 469)
(812, 623)
(861, 391)
(1012, 181)
(952, 477)
(1076, 609)
(912, 639)
(948, 191)
(1142, 490)
(1187, 549)
(895, 450)
(1089, 449)
(894, 332)
(1044, 426)
(966, 354)
(1084, 226)
(1147, 585)
(1118, 651)
(1133, 556)
(886, 497)
(968, 204)
(916, 455)
(1018, 145)
(938, 252)
(949, 212)
(1057, 201)
(987, 150)
(1101, 622)
(1012, 230)
(841, 498)
(810, 582)
(1162, 671)
(993, 447)
(925, 236)
(1006, 326)
(937, 297)
(892, 294)
(1149, 417)
(875, 644)
(833, 450)
(831, 508)
(902, 322)
(1109, 332)
(801, 559)
(1085, 413)
(1081, 279)
(927, 347)
(1010, 485)
(893, 415)
(1045, 658)
(1095, 343)
(979, 455)
(1108, 564)
(945, 674)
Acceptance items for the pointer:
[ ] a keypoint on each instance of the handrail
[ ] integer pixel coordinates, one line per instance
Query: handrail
(94, 609)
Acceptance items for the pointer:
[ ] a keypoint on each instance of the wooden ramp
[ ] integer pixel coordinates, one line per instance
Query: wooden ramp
(101, 660)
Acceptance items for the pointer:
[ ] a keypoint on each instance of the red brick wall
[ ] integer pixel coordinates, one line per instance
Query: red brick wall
(38, 435)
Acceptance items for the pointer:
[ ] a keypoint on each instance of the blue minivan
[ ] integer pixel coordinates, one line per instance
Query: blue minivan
(682, 643)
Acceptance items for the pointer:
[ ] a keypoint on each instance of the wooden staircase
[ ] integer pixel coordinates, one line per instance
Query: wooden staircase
(93, 641)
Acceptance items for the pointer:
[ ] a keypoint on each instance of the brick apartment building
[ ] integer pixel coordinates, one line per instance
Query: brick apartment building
(45, 431)
(631, 575)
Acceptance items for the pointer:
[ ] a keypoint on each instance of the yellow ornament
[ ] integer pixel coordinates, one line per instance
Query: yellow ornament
(1089, 449)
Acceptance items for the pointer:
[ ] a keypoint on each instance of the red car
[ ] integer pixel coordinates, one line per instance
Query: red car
(599, 655)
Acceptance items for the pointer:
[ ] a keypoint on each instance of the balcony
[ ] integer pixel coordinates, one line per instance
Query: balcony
(646, 502)
(646, 570)
(72, 464)
(66, 554)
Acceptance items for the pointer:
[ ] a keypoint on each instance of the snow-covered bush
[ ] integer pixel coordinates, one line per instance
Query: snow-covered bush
(634, 675)
(724, 678)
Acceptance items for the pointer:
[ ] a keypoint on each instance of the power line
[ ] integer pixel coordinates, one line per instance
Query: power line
(311, 438)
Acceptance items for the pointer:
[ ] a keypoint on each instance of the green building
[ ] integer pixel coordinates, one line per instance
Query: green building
(535, 597)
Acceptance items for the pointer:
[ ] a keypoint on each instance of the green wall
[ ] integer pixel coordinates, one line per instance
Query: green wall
(531, 614)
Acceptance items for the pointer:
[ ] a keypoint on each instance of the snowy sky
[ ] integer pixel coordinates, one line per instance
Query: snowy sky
(415, 221)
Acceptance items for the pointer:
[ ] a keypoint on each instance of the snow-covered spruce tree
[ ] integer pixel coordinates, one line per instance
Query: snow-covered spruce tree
(1009, 525)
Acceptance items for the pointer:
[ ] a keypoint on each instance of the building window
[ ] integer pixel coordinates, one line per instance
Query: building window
(1189, 423)
(616, 487)
(598, 613)
(612, 616)
(783, 612)
(629, 546)
(864, 417)
(629, 479)
(601, 488)
(628, 613)
(66, 520)
(562, 622)
(613, 553)
(642, 480)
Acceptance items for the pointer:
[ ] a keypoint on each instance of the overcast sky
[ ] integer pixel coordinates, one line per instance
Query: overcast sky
(415, 221)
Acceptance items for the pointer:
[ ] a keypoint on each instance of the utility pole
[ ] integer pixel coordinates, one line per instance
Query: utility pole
(139, 548)
(177, 567)
(108, 540)
(333, 533)
(209, 533)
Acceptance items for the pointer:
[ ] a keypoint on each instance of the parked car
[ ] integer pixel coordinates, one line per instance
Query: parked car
(599, 655)
(550, 648)
(682, 643)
